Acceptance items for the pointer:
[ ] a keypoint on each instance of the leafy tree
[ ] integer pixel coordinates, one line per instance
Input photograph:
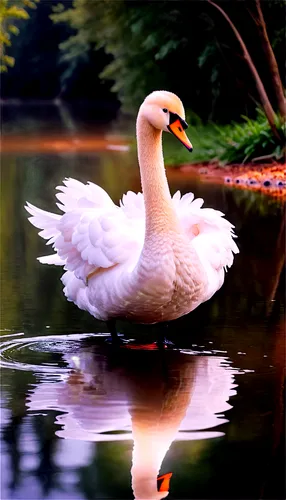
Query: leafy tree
(10, 12)
(180, 45)
(128, 31)
(41, 71)
(185, 46)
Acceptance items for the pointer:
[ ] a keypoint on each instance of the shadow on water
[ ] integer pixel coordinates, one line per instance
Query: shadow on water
(79, 421)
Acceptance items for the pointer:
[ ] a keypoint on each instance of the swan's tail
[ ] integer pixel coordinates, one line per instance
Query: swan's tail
(48, 223)
(76, 291)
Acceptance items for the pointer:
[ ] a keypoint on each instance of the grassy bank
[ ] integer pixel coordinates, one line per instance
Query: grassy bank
(234, 143)
(205, 140)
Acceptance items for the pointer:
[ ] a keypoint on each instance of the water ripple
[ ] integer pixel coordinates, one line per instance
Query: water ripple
(15, 353)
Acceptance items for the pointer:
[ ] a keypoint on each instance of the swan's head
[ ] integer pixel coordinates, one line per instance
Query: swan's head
(165, 111)
(147, 487)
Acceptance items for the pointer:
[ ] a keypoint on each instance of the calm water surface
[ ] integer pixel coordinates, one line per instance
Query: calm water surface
(80, 421)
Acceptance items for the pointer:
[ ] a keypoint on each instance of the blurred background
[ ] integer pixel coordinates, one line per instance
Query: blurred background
(113, 53)
(73, 75)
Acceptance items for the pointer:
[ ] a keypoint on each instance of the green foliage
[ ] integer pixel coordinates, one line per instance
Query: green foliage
(11, 11)
(234, 143)
(183, 46)
(6, 61)
(130, 33)
(205, 141)
(251, 139)
(139, 36)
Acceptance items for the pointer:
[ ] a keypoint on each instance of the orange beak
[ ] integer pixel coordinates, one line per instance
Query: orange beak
(164, 482)
(177, 126)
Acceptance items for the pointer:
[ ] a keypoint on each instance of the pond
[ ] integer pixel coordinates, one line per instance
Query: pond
(82, 421)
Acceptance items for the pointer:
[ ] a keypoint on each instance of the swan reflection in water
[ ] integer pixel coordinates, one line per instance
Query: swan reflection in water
(151, 397)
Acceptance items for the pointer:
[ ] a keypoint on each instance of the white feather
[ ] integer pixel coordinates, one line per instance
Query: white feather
(52, 259)
(88, 237)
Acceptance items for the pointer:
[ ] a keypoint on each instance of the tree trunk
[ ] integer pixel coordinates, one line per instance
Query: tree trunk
(270, 57)
(269, 112)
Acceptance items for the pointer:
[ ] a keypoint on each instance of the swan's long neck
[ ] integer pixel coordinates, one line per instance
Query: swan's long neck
(160, 215)
(150, 447)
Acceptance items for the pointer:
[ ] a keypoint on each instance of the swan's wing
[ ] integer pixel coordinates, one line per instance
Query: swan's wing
(208, 230)
(211, 234)
(93, 232)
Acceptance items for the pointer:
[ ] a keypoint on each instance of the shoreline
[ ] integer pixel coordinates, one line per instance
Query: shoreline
(266, 178)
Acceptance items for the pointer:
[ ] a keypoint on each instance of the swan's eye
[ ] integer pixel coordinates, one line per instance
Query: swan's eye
(165, 110)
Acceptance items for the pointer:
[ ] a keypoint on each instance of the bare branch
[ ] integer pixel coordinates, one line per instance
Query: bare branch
(269, 112)
(271, 60)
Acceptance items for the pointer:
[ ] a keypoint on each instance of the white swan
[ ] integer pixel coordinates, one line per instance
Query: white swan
(153, 258)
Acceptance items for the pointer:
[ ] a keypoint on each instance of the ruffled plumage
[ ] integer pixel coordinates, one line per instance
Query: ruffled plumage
(93, 234)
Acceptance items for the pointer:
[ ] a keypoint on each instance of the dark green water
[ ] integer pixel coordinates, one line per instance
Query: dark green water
(212, 408)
